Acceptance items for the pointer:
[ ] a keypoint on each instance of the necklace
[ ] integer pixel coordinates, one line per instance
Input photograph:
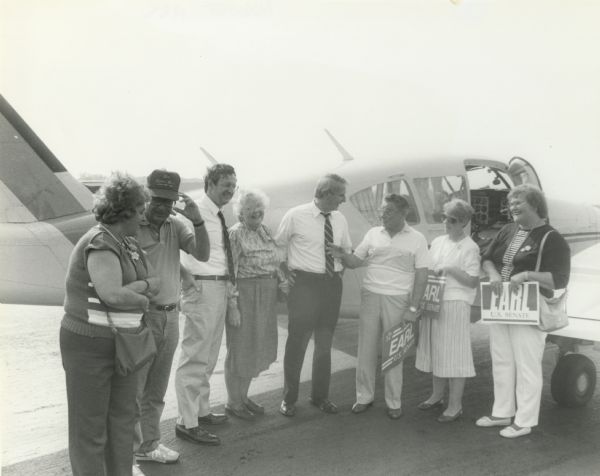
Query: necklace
(128, 247)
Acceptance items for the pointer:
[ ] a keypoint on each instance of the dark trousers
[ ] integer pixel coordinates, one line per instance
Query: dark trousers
(102, 407)
(313, 306)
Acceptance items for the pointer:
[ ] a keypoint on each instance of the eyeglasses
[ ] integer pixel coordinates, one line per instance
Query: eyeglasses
(450, 220)
(161, 202)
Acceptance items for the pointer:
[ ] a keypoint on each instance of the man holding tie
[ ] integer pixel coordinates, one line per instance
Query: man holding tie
(314, 301)
(204, 304)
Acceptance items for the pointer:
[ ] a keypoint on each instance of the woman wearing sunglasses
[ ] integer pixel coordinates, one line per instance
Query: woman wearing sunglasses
(445, 344)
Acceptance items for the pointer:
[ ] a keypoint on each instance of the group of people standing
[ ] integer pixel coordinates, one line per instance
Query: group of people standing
(128, 272)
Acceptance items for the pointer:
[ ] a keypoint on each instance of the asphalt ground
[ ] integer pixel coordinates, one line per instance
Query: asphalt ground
(567, 441)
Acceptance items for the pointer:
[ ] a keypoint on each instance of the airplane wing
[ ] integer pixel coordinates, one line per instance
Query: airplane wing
(583, 303)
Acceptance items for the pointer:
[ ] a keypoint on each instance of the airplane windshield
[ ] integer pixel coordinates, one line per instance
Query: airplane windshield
(435, 191)
(369, 200)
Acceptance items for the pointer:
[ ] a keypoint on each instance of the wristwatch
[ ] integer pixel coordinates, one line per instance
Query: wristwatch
(412, 309)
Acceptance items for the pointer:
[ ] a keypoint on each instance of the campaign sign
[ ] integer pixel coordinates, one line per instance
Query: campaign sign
(521, 307)
(434, 293)
(397, 342)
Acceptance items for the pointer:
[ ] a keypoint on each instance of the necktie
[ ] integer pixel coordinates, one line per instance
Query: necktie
(329, 269)
(227, 247)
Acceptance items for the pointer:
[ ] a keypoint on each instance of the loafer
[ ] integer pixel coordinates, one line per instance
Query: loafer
(287, 409)
(136, 471)
(212, 419)
(161, 454)
(449, 418)
(326, 406)
(254, 407)
(197, 435)
(394, 413)
(241, 412)
(428, 406)
(361, 407)
(486, 422)
(512, 432)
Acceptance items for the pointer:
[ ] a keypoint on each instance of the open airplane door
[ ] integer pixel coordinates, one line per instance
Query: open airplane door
(521, 171)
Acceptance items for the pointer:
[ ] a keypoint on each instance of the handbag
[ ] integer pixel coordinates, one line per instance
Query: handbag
(133, 350)
(553, 311)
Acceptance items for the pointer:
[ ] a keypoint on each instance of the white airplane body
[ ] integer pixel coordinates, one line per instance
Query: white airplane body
(44, 211)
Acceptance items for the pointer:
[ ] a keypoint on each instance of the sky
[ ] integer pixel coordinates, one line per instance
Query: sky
(137, 85)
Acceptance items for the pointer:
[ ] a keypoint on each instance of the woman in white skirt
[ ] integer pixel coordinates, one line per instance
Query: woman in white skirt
(444, 341)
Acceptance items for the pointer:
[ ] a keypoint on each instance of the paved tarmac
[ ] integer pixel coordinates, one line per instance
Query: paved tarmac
(567, 442)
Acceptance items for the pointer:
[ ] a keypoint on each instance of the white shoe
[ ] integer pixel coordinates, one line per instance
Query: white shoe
(161, 454)
(136, 471)
(512, 432)
(486, 421)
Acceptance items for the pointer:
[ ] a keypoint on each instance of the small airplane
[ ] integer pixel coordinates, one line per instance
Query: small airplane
(44, 211)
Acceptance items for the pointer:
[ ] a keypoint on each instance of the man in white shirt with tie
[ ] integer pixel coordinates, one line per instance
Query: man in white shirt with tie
(204, 304)
(315, 296)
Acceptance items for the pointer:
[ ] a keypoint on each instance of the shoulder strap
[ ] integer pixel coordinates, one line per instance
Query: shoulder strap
(539, 257)
(111, 323)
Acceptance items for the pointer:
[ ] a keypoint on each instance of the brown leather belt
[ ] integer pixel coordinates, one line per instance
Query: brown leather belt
(212, 277)
(166, 307)
(261, 276)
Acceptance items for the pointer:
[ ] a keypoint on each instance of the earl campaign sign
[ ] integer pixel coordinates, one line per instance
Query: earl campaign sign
(433, 295)
(520, 307)
(397, 342)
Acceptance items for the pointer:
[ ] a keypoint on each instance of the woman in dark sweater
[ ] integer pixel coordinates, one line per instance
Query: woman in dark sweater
(517, 350)
(108, 276)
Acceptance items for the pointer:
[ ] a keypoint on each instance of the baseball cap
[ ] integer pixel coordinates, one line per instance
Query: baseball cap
(164, 184)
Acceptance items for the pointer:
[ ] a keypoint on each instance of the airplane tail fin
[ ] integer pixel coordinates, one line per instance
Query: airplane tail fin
(34, 185)
(346, 157)
(210, 158)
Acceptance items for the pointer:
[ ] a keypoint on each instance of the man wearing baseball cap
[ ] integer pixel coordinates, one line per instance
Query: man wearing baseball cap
(165, 231)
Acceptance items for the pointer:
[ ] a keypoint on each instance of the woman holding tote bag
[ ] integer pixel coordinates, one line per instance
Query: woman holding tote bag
(517, 350)
(106, 291)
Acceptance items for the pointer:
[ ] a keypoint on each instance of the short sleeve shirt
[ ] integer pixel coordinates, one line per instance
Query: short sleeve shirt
(254, 251)
(463, 255)
(392, 260)
(162, 250)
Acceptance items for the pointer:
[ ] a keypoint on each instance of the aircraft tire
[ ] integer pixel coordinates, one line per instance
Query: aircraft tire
(573, 380)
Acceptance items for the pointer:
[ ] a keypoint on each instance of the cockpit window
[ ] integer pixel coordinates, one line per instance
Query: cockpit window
(370, 200)
(435, 191)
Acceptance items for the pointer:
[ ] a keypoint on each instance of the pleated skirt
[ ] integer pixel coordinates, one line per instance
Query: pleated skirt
(252, 346)
(444, 346)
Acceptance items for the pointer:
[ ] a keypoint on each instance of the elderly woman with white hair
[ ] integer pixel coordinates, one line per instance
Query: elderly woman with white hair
(445, 344)
(251, 332)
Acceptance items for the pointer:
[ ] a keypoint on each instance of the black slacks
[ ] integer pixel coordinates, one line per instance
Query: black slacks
(102, 407)
(313, 306)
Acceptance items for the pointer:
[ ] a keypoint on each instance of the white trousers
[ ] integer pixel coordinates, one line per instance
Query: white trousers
(378, 314)
(202, 335)
(517, 353)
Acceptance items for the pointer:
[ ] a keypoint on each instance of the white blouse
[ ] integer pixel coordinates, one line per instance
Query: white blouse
(463, 255)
